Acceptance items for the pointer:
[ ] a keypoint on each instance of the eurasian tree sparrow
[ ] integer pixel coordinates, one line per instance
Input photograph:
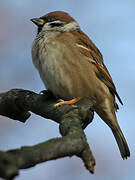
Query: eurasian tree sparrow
(72, 68)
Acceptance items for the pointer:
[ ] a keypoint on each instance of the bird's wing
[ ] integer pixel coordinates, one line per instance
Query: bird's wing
(88, 48)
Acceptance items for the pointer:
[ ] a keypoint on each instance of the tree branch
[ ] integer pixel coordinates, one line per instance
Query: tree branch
(16, 105)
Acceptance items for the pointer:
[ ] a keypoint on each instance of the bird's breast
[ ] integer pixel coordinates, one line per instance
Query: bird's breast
(64, 71)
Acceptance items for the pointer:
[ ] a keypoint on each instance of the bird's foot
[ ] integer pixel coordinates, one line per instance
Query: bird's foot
(70, 102)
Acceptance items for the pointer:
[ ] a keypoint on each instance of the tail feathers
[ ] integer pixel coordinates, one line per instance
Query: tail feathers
(122, 144)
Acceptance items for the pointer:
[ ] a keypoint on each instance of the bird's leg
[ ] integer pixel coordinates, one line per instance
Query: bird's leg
(70, 102)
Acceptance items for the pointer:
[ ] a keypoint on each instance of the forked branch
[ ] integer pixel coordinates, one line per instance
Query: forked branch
(17, 104)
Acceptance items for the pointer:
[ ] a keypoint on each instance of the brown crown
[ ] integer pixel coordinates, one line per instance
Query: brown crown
(59, 15)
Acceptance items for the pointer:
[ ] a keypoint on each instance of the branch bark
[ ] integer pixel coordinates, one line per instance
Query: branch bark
(16, 105)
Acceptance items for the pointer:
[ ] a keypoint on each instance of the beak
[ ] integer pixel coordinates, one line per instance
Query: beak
(38, 21)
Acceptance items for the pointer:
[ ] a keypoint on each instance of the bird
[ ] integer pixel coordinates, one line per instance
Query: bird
(72, 68)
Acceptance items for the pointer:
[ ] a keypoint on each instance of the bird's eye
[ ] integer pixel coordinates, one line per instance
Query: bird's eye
(50, 19)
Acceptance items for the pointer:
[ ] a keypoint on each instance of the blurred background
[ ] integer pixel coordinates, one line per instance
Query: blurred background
(111, 25)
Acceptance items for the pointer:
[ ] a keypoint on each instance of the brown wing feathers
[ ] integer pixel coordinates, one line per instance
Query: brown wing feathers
(88, 48)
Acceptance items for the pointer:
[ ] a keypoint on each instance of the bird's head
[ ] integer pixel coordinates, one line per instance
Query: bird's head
(56, 21)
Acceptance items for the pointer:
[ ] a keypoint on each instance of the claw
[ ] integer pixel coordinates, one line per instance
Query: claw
(70, 102)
